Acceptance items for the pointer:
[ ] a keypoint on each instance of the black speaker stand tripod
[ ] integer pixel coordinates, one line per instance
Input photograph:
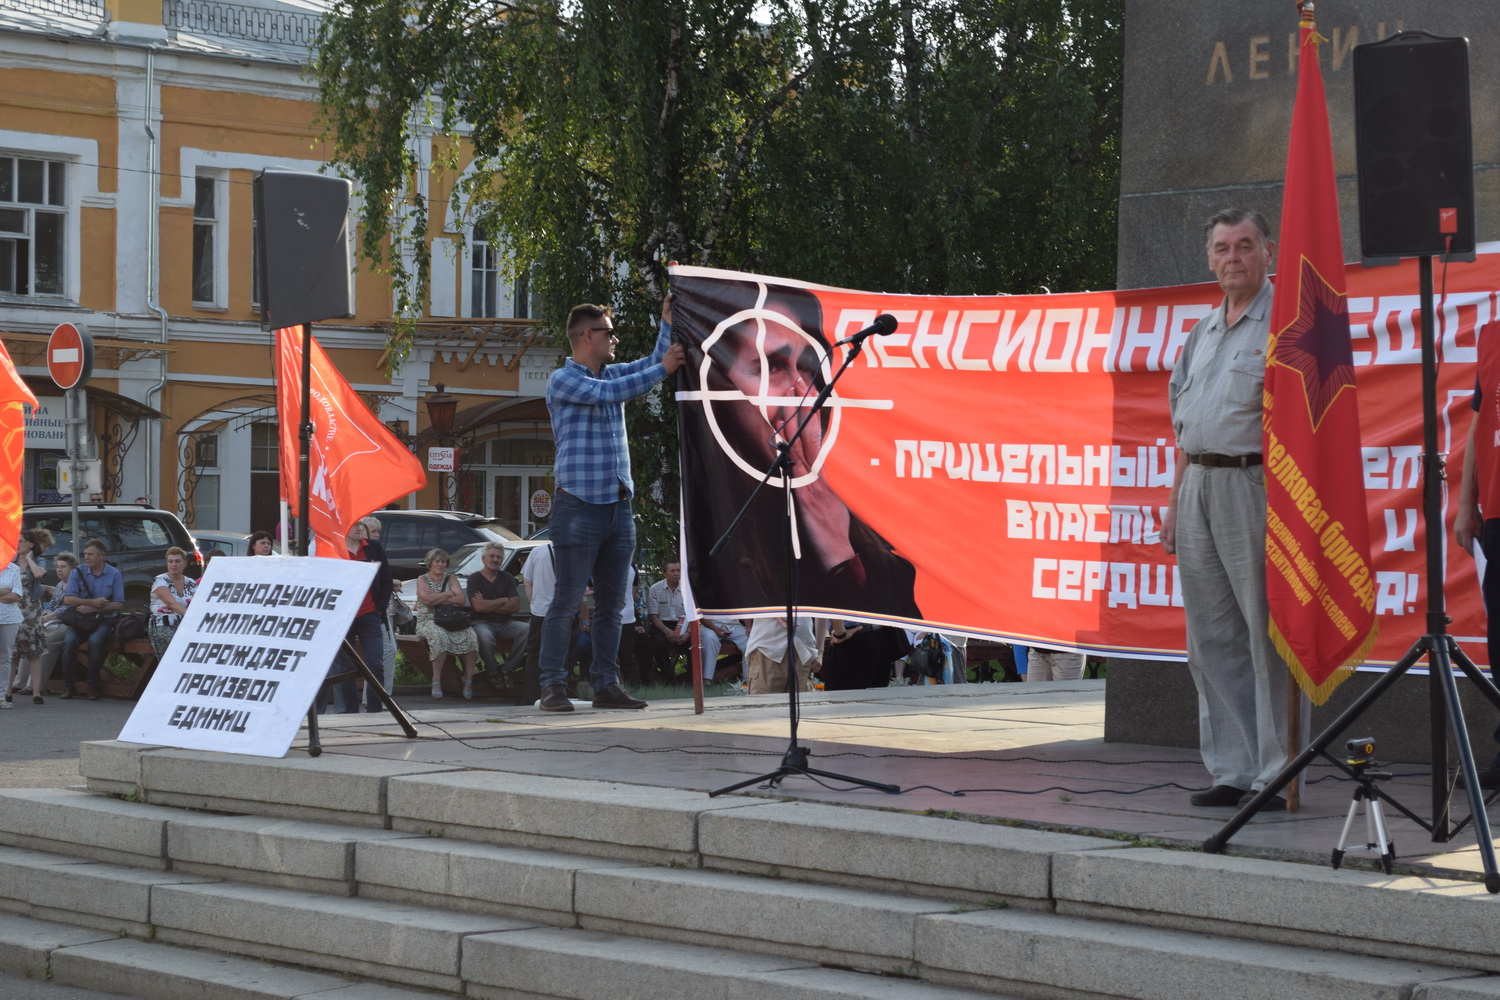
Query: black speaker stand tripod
(1438, 646)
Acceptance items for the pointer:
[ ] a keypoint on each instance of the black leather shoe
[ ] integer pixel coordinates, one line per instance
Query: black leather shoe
(555, 699)
(615, 696)
(1219, 795)
(1489, 778)
(1273, 804)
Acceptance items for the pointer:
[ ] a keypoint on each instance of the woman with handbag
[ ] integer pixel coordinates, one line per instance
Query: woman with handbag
(444, 622)
(31, 638)
(171, 593)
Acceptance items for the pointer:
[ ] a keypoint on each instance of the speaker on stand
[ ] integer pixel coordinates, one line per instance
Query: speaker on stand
(1414, 151)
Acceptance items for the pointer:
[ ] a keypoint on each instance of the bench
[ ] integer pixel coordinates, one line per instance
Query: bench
(419, 658)
(139, 651)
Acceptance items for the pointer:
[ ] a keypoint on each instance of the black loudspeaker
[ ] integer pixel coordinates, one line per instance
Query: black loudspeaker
(302, 254)
(1414, 151)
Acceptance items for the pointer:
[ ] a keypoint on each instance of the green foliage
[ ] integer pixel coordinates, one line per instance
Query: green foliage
(947, 146)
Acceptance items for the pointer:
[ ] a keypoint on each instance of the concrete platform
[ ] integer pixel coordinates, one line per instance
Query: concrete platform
(1027, 755)
(512, 853)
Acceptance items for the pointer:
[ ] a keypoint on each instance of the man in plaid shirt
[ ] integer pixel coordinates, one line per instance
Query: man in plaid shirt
(593, 532)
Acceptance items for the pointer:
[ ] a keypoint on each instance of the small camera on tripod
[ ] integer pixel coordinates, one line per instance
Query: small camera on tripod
(1360, 751)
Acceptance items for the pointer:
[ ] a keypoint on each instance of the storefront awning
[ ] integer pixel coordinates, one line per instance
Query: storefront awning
(124, 406)
(471, 418)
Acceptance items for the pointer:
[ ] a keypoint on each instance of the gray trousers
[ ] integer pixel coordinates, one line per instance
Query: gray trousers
(1241, 679)
(1043, 664)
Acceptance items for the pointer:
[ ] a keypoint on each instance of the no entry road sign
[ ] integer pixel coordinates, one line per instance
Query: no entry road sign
(70, 355)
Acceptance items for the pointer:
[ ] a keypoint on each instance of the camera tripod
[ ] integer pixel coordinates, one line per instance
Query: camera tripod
(1437, 646)
(1366, 795)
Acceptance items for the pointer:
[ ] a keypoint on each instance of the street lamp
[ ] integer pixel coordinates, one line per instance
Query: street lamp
(441, 406)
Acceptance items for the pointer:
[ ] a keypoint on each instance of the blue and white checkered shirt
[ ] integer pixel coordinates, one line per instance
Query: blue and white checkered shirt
(588, 422)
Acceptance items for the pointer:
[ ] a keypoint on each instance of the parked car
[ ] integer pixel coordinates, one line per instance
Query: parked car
(470, 559)
(135, 536)
(224, 543)
(408, 535)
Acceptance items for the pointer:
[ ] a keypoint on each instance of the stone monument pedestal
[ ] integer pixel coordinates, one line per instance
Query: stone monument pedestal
(1154, 702)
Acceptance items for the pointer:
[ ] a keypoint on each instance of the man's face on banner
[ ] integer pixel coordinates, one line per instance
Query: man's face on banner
(777, 368)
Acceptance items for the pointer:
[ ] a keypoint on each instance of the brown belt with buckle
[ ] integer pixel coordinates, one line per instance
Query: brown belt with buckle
(1224, 461)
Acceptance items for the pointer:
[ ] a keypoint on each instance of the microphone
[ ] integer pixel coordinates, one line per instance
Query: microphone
(884, 323)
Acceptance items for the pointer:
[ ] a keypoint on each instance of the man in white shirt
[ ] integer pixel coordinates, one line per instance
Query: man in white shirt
(665, 611)
(765, 659)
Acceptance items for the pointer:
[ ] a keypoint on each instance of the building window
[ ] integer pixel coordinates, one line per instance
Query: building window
(265, 447)
(32, 220)
(206, 503)
(521, 307)
(205, 241)
(265, 476)
(254, 263)
(484, 275)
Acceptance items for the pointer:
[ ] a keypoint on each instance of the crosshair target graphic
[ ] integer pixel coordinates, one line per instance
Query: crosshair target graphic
(778, 368)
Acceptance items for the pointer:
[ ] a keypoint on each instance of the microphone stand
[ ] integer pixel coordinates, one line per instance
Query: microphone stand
(794, 760)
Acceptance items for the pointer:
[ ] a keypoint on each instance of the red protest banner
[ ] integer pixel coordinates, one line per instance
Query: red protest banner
(1016, 453)
(13, 393)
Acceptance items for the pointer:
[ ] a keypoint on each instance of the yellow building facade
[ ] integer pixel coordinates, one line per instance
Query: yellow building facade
(130, 133)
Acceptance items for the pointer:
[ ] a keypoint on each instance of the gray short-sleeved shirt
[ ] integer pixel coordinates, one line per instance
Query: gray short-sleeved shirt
(1215, 390)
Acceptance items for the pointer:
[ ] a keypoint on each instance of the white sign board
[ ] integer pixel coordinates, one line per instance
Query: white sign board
(46, 425)
(441, 460)
(254, 646)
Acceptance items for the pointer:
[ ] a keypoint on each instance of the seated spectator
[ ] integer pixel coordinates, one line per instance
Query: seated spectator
(97, 590)
(494, 599)
(171, 593)
(712, 634)
(766, 658)
(664, 607)
(434, 587)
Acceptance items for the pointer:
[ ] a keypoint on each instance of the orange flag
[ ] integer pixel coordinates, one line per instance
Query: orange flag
(13, 393)
(356, 464)
(1319, 581)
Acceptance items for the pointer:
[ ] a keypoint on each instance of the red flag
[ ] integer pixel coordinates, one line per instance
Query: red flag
(1319, 581)
(13, 393)
(356, 464)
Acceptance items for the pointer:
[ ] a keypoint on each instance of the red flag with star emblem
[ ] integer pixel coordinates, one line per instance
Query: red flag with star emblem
(1319, 580)
(355, 464)
(13, 393)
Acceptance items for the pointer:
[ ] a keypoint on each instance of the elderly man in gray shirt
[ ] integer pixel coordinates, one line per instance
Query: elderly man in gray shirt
(1216, 522)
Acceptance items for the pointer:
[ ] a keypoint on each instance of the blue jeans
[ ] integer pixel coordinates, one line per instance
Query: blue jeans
(368, 634)
(98, 639)
(588, 540)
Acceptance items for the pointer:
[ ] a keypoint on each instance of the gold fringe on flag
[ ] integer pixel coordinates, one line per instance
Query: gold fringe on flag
(1318, 693)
